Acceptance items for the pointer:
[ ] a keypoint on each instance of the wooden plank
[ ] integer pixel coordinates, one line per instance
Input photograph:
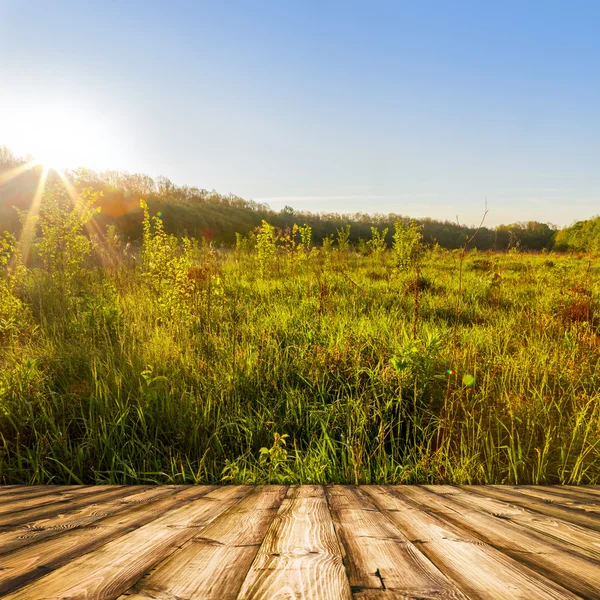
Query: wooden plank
(38, 559)
(28, 491)
(70, 501)
(572, 500)
(300, 556)
(378, 556)
(37, 491)
(584, 540)
(11, 505)
(559, 495)
(593, 490)
(383, 595)
(570, 511)
(560, 492)
(17, 536)
(103, 561)
(213, 564)
(477, 568)
(557, 562)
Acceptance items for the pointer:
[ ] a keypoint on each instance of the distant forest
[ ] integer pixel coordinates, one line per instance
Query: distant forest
(217, 217)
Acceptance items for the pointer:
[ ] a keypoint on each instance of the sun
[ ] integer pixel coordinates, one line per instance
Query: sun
(60, 144)
(62, 140)
(55, 157)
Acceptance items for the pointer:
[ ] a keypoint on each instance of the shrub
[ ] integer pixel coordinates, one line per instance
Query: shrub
(166, 266)
(265, 244)
(407, 245)
(64, 247)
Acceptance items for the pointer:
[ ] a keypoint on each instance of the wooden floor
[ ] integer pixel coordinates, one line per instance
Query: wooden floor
(368, 542)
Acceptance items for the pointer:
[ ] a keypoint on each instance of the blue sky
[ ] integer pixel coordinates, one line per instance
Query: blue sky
(420, 108)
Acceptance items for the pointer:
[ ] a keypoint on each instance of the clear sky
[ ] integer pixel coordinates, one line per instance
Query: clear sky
(421, 108)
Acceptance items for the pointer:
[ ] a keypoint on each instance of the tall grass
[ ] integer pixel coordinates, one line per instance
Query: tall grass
(183, 365)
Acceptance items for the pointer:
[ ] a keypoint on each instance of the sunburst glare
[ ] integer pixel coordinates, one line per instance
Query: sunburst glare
(28, 231)
(91, 226)
(62, 139)
(16, 171)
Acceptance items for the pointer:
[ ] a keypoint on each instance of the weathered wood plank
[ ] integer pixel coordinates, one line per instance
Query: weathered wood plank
(561, 532)
(378, 556)
(73, 517)
(560, 492)
(300, 557)
(110, 569)
(28, 491)
(557, 562)
(556, 494)
(487, 542)
(12, 505)
(387, 595)
(477, 568)
(69, 501)
(38, 559)
(593, 490)
(383, 595)
(542, 493)
(213, 564)
(567, 510)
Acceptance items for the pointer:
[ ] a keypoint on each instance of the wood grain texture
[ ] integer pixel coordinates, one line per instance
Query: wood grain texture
(387, 595)
(560, 492)
(557, 562)
(478, 569)
(213, 564)
(38, 559)
(11, 504)
(555, 494)
(300, 542)
(593, 490)
(567, 510)
(28, 491)
(25, 511)
(300, 557)
(111, 569)
(549, 495)
(583, 540)
(378, 556)
(75, 516)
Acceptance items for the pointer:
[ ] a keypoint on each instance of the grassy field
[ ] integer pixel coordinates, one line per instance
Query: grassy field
(279, 362)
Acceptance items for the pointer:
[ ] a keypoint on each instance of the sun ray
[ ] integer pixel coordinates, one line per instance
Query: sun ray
(91, 227)
(16, 171)
(28, 230)
(69, 187)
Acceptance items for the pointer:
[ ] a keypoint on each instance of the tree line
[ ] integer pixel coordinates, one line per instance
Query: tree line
(218, 217)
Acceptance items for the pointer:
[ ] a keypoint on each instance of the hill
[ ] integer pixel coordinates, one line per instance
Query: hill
(217, 217)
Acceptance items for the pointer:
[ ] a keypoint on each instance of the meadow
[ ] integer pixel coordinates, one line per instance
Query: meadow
(289, 359)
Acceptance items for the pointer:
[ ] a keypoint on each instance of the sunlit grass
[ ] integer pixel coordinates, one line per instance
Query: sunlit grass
(164, 371)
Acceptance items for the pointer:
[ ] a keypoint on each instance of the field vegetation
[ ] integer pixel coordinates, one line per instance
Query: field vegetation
(292, 357)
